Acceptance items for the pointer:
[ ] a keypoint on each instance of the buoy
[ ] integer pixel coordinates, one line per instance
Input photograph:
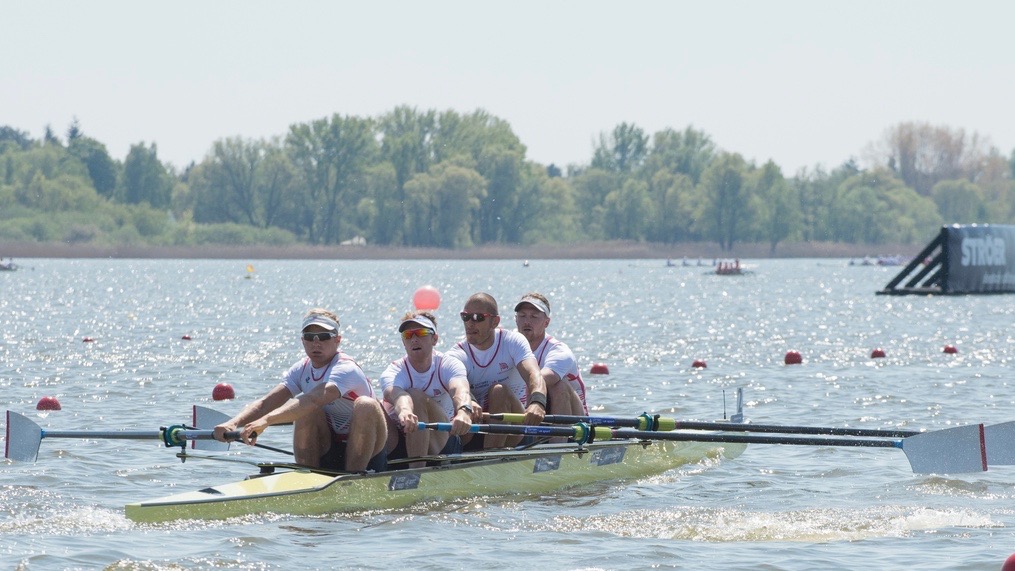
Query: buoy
(223, 391)
(87, 340)
(878, 354)
(600, 369)
(793, 358)
(1009, 564)
(950, 349)
(699, 364)
(185, 337)
(48, 403)
(426, 297)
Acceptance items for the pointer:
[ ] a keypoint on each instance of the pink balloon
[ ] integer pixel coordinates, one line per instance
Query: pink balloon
(426, 297)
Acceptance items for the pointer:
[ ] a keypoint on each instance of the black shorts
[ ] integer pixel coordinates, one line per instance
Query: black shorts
(334, 459)
(453, 446)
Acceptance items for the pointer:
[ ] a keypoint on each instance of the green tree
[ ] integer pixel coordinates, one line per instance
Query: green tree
(724, 214)
(102, 169)
(442, 205)
(778, 213)
(687, 152)
(331, 156)
(145, 178)
(960, 202)
(623, 151)
(627, 210)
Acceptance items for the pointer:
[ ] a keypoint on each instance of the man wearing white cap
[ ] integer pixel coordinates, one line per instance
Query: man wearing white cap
(338, 424)
(566, 389)
(424, 386)
(503, 373)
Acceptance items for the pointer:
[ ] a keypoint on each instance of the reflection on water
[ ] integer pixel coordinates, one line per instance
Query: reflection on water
(786, 507)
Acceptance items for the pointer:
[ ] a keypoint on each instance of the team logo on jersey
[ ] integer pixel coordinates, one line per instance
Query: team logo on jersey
(504, 366)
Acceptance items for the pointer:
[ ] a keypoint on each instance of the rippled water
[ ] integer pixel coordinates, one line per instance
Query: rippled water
(775, 507)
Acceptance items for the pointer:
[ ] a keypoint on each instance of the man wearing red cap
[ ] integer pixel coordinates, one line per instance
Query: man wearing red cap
(424, 386)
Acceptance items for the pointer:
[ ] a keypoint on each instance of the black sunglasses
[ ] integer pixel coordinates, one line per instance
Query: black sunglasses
(320, 336)
(477, 317)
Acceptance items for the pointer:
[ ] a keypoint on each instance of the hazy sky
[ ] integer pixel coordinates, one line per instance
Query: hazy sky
(802, 83)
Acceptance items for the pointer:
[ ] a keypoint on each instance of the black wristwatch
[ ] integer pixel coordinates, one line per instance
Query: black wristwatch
(467, 407)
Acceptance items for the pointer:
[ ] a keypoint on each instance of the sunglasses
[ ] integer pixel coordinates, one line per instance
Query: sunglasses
(410, 333)
(320, 336)
(477, 317)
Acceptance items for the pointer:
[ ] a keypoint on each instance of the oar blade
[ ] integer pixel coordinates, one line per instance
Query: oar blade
(207, 419)
(1000, 440)
(23, 438)
(956, 450)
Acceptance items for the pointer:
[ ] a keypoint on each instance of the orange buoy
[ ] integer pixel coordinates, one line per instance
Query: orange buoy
(878, 354)
(426, 297)
(223, 391)
(793, 358)
(699, 364)
(48, 403)
(600, 369)
(950, 349)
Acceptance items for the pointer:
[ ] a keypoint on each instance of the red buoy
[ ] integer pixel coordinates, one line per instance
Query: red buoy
(699, 364)
(426, 297)
(223, 391)
(48, 403)
(793, 358)
(600, 369)
(1009, 564)
(185, 337)
(950, 349)
(87, 340)
(878, 354)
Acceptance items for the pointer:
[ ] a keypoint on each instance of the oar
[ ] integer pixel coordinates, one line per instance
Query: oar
(205, 417)
(949, 451)
(24, 436)
(649, 422)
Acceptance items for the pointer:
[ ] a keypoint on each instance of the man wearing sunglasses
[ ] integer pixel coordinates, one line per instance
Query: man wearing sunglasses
(337, 422)
(556, 361)
(502, 371)
(424, 386)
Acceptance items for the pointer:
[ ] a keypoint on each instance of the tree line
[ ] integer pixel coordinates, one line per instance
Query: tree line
(446, 179)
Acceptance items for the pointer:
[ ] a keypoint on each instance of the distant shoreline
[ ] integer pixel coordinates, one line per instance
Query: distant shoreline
(592, 250)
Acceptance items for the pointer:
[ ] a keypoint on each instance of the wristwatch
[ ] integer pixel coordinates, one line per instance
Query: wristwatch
(467, 407)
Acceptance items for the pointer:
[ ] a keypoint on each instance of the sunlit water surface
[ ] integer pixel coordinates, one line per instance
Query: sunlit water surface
(775, 507)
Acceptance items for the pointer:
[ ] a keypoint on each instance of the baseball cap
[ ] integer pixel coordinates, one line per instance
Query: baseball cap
(420, 320)
(534, 302)
(322, 320)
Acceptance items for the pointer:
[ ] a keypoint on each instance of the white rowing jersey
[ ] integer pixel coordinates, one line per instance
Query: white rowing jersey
(342, 372)
(433, 382)
(495, 365)
(555, 355)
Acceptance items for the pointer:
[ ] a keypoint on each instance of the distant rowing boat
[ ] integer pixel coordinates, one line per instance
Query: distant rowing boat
(8, 266)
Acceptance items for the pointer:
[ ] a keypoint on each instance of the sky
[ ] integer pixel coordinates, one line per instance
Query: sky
(802, 83)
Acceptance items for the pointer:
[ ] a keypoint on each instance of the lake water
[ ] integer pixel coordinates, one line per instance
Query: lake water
(775, 507)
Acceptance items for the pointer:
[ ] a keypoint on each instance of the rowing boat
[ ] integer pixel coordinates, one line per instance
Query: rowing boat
(601, 450)
(537, 470)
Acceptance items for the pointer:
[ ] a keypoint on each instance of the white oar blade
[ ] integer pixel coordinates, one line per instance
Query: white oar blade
(951, 451)
(23, 438)
(207, 419)
(1000, 440)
